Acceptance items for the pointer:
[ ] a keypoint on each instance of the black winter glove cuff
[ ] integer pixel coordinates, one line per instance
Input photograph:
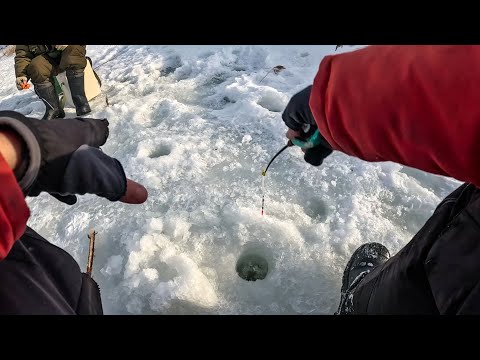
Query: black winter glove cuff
(56, 139)
(63, 158)
(31, 158)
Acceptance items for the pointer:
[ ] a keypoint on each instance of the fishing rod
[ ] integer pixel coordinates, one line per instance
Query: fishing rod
(304, 143)
(264, 172)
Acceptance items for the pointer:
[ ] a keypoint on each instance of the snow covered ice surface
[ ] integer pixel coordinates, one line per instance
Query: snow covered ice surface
(196, 126)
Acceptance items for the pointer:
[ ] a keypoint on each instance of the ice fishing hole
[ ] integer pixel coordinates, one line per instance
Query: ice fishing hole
(162, 150)
(252, 267)
(315, 208)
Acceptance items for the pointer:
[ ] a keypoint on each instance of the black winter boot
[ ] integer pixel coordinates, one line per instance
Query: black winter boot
(366, 258)
(46, 92)
(76, 81)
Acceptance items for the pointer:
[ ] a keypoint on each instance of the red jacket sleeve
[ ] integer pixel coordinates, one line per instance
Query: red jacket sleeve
(415, 105)
(14, 212)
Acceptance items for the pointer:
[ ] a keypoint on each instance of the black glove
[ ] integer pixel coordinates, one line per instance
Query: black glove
(62, 157)
(298, 117)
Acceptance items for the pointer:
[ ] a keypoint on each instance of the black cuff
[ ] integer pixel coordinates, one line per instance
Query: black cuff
(23, 166)
(32, 156)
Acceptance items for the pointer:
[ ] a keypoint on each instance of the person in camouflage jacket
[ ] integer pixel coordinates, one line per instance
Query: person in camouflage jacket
(40, 63)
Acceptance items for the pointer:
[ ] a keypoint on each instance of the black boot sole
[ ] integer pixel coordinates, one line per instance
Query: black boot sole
(346, 272)
(61, 115)
(81, 113)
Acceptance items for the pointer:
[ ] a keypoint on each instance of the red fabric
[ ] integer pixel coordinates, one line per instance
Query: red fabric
(414, 105)
(14, 212)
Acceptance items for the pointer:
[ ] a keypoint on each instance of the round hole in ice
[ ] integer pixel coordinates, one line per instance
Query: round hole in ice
(161, 150)
(252, 267)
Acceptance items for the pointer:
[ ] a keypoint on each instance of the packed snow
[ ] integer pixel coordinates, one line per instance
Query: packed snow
(196, 125)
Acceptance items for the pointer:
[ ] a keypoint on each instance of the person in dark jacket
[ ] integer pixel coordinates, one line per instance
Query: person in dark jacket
(41, 63)
(62, 158)
(398, 103)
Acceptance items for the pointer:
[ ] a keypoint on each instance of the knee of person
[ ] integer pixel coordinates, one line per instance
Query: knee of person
(79, 50)
(75, 64)
(38, 71)
(73, 58)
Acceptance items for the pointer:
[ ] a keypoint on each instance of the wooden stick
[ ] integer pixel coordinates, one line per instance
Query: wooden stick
(91, 251)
